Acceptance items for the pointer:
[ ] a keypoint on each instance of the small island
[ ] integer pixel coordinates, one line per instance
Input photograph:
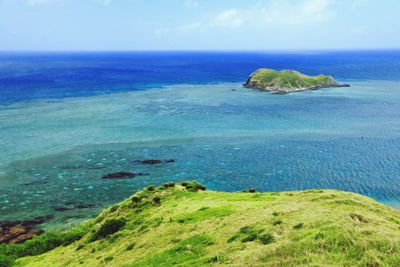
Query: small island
(288, 81)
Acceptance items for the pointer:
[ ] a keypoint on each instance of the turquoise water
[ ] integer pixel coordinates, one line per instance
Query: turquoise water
(54, 152)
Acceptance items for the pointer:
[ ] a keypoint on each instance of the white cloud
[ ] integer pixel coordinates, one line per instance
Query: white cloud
(192, 27)
(283, 12)
(229, 18)
(298, 12)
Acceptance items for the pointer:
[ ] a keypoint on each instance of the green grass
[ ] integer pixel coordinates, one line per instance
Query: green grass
(188, 252)
(205, 228)
(39, 245)
(205, 214)
(288, 79)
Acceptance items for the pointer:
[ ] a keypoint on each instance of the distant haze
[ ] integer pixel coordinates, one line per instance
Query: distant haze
(198, 24)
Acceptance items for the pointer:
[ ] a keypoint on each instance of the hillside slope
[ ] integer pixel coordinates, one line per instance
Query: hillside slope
(186, 226)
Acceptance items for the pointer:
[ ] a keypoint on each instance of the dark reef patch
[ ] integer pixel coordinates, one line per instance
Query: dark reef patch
(73, 206)
(123, 175)
(154, 161)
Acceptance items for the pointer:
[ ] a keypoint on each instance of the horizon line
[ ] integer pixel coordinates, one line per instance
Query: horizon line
(205, 50)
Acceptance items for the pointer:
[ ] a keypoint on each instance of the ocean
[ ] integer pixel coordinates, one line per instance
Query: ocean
(68, 119)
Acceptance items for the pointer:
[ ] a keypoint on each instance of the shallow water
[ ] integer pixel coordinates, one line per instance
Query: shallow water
(54, 153)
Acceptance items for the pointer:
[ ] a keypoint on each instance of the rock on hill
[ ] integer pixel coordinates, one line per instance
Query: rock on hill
(185, 225)
(288, 81)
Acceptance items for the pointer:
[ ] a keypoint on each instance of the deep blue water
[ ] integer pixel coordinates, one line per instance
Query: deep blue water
(67, 119)
(27, 76)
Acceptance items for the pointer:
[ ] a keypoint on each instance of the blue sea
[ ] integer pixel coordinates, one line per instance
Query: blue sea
(67, 119)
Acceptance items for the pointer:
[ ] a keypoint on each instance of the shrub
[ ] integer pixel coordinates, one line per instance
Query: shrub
(249, 234)
(143, 228)
(113, 208)
(246, 229)
(245, 234)
(298, 226)
(109, 227)
(130, 246)
(112, 238)
(249, 190)
(157, 200)
(193, 186)
(249, 237)
(275, 213)
(167, 185)
(6, 261)
(136, 199)
(217, 258)
(266, 238)
(108, 258)
(277, 222)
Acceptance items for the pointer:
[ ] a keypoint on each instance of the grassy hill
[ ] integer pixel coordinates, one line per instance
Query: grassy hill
(182, 225)
(287, 81)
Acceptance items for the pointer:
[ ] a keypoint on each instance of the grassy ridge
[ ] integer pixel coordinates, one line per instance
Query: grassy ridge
(184, 226)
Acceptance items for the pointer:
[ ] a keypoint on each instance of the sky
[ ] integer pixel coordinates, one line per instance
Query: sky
(113, 25)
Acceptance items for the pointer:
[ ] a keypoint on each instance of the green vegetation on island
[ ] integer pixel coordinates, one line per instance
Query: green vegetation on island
(185, 225)
(287, 81)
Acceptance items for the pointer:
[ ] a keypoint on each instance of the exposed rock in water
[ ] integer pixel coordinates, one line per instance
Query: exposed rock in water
(84, 206)
(287, 81)
(73, 207)
(13, 232)
(151, 161)
(154, 161)
(123, 175)
(36, 182)
(62, 208)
